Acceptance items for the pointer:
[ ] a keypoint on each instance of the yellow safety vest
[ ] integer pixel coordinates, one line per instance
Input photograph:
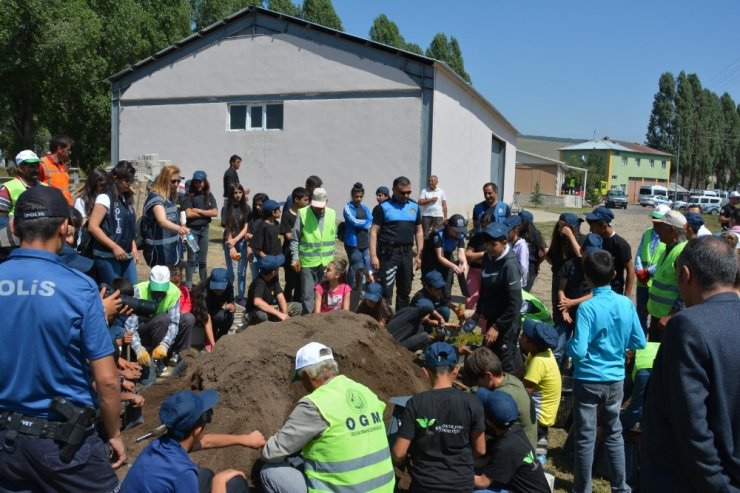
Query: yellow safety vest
(649, 259)
(663, 291)
(352, 454)
(15, 188)
(644, 358)
(316, 247)
(172, 296)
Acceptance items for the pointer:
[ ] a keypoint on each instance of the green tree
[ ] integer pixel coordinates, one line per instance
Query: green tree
(386, 31)
(285, 7)
(449, 52)
(536, 198)
(660, 132)
(727, 163)
(322, 12)
(206, 12)
(414, 48)
(684, 126)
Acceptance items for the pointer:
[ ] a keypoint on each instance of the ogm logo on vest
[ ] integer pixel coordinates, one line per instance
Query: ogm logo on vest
(355, 400)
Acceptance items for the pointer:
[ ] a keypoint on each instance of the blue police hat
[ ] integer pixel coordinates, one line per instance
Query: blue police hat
(541, 333)
(373, 292)
(592, 242)
(383, 190)
(180, 411)
(426, 305)
(270, 206)
(694, 220)
(570, 219)
(496, 231)
(498, 406)
(48, 202)
(219, 279)
(440, 354)
(199, 175)
(600, 214)
(527, 216)
(434, 279)
(269, 263)
(513, 221)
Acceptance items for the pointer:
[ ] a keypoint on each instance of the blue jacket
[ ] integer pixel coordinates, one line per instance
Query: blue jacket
(606, 327)
(352, 225)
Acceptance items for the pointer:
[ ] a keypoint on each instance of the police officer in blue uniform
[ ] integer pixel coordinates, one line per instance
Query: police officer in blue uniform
(396, 225)
(57, 346)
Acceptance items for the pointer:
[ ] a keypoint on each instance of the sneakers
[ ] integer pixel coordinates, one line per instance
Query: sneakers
(173, 360)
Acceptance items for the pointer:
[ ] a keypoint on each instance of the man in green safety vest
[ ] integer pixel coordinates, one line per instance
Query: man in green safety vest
(648, 253)
(27, 163)
(312, 244)
(663, 296)
(338, 427)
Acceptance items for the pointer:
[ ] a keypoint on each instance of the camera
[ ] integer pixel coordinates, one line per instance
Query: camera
(143, 308)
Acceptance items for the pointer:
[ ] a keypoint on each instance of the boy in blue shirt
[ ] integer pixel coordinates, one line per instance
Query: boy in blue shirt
(607, 326)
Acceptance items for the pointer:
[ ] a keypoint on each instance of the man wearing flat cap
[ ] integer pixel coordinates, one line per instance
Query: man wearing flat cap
(338, 427)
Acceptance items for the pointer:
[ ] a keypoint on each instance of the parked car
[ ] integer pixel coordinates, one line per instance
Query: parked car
(616, 199)
(680, 205)
(709, 204)
(647, 192)
(653, 200)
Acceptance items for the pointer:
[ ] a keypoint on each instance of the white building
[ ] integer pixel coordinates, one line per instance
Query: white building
(294, 99)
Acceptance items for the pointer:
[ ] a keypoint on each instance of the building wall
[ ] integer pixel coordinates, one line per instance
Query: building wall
(463, 128)
(528, 176)
(346, 118)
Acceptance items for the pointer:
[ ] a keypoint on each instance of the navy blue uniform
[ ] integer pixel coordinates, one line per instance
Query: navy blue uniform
(53, 324)
(397, 223)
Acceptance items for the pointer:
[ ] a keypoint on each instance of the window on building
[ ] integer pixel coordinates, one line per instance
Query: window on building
(663, 164)
(624, 160)
(263, 116)
(637, 162)
(652, 163)
(614, 177)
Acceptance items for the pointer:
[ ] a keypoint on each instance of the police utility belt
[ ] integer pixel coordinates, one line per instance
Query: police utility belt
(390, 247)
(78, 423)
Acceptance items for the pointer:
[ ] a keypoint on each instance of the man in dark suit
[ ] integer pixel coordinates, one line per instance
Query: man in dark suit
(692, 405)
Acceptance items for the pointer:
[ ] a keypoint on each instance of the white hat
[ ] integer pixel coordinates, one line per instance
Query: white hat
(319, 198)
(735, 195)
(659, 211)
(672, 218)
(159, 278)
(312, 353)
(26, 157)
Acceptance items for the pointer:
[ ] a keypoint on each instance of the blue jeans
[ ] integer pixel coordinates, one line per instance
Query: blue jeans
(359, 260)
(633, 413)
(237, 270)
(587, 397)
(197, 260)
(110, 268)
(564, 332)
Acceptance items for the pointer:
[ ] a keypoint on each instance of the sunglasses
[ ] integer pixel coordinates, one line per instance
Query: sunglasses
(175, 180)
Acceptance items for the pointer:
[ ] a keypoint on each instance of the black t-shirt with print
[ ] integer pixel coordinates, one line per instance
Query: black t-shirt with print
(265, 290)
(438, 423)
(622, 254)
(267, 238)
(513, 465)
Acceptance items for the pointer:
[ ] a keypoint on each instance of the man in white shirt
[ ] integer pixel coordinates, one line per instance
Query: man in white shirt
(434, 202)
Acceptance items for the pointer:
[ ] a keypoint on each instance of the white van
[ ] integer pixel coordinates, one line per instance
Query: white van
(708, 203)
(647, 192)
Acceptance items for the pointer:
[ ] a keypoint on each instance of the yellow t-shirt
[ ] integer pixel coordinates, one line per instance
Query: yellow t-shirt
(542, 370)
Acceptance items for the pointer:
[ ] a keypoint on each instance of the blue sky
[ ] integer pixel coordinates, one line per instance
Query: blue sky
(573, 68)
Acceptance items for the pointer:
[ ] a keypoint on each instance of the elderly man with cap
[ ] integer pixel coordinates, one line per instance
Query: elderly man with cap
(500, 298)
(649, 251)
(312, 244)
(27, 164)
(726, 211)
(663, 296)
(265, 298)
(167, 331)
(692, 403)
(511, 465)
(339, 429)
(58, 346)
(200, 208)
(600, 222)
(164, 466)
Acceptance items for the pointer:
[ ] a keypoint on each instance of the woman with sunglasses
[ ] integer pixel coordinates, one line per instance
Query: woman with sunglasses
(112, 225)
(161, 228)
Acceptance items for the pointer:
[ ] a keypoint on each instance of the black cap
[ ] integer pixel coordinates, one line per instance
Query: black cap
(48, 201)
(457, 223)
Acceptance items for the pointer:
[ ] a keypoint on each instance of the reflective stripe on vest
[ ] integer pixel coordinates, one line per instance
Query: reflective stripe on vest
(649, 259)
(644, 358)
(15, 188)
(317, 247)
(56, 176)
(172, 296)
(352, 454)
(663, 291)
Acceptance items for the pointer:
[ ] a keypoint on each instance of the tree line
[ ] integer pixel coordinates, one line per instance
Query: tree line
(700, 128)
(55, 57)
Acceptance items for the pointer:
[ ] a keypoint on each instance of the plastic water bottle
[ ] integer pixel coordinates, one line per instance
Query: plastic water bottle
(190, 237)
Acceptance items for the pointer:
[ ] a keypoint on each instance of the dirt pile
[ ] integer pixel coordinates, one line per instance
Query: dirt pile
(253, 370)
